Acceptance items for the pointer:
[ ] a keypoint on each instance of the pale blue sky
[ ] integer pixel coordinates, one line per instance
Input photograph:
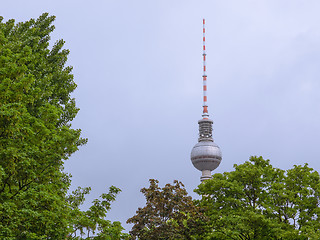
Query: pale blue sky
(138, 67)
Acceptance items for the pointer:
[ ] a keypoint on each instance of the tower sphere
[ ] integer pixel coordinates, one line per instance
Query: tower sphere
(206, 155)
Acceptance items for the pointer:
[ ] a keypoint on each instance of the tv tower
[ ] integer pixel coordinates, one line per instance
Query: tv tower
(205, 155)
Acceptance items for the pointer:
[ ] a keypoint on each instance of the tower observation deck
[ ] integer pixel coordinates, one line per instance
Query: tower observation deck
(206, 154)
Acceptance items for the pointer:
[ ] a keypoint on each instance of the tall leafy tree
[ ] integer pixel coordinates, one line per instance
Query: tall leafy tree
(169, 214)
(258, 201)
(36, 137)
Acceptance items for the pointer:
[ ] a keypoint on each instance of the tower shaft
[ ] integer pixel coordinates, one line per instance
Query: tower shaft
(206, 154)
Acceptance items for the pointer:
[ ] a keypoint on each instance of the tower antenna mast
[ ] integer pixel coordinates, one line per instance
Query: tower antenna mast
(204, 76)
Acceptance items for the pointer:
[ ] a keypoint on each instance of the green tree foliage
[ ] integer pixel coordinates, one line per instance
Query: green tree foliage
(169, 214)
(36, 137)
(85, 224)
(258, 201)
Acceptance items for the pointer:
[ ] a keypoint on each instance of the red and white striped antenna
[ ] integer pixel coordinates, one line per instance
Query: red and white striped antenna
(205, 114)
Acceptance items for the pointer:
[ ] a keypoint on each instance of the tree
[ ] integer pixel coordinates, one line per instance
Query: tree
(258, 201)
(169, 214)
(36, 137)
